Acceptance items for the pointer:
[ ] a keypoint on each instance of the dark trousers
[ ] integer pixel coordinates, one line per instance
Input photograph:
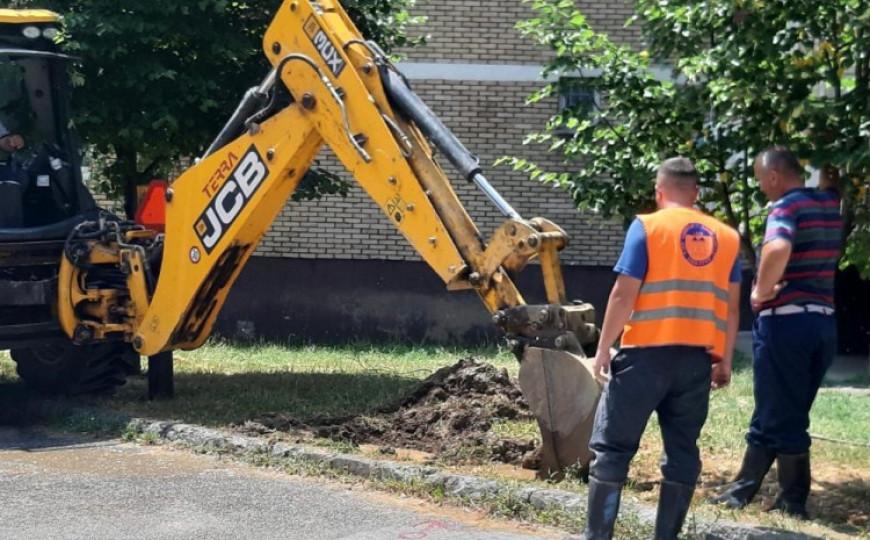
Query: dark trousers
(672, 381)
(792, 354)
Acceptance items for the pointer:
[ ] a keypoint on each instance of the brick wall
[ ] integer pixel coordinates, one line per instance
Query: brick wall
(485, 32)
(491, 118)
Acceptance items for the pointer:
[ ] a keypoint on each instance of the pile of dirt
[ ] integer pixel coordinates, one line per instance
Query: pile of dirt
(449, 414)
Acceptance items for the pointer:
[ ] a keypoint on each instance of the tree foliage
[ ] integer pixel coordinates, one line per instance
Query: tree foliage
(158, 78)
(741, 75)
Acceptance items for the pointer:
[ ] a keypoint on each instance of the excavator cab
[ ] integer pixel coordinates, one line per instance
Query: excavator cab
(42, 199)
(40, 177)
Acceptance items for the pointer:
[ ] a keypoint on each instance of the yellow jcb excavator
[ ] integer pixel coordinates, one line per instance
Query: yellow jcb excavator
(114, 290)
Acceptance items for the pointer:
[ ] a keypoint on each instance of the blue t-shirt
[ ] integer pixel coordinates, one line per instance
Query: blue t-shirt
(634, 260)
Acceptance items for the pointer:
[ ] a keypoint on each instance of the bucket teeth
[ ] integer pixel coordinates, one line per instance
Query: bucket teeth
(562, 394)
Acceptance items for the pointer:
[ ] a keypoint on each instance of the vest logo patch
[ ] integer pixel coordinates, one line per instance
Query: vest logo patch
(699, 244)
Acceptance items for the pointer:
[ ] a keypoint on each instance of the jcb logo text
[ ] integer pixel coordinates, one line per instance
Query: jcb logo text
(230, 199)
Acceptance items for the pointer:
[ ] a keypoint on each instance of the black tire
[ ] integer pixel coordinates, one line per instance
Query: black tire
(64, 368)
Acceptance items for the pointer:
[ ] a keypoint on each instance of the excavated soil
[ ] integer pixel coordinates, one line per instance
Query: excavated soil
(449, 414)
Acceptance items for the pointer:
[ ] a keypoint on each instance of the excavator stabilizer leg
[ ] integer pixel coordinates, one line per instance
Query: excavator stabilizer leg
(562, 394)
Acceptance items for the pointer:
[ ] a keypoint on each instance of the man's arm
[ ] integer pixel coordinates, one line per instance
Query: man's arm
(632, 267)
(733, 321)
(722, 371)
(619, 308)
(774, 259)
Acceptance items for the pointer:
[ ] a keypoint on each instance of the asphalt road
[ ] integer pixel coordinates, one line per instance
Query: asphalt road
(67, 488)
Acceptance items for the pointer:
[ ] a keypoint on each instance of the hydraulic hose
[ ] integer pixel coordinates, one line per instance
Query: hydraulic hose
(409, 104)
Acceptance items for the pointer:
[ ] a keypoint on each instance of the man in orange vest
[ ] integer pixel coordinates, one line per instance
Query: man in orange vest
(676, 301)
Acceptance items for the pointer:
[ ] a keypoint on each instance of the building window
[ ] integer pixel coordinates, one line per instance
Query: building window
(579, 98)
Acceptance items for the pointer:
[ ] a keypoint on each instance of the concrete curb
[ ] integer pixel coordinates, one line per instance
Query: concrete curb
(459, 486)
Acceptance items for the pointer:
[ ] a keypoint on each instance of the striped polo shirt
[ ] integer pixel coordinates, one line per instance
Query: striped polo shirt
(810, 220)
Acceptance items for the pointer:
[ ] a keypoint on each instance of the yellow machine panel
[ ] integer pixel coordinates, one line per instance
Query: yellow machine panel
(28, 16)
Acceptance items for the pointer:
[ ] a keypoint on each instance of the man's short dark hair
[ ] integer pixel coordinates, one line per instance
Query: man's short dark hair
(781, 159)
(680, 171)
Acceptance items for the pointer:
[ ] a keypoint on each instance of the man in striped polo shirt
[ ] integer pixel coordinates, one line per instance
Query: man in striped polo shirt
(794, 336)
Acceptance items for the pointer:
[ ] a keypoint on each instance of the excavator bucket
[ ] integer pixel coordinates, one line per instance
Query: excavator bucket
(562, 394)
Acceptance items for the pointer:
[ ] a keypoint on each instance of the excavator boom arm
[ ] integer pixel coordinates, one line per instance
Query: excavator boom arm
(347, 95)
(328, 87)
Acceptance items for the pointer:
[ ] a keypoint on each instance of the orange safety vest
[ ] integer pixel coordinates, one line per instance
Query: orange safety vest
(684, 296)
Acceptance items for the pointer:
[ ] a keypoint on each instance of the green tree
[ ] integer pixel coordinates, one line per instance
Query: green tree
(742, 75)
(158, 78)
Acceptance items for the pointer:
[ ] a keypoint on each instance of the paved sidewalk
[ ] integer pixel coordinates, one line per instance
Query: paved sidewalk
(70, 489)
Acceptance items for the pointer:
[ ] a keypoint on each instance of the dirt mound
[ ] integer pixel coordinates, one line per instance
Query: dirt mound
(449, 414)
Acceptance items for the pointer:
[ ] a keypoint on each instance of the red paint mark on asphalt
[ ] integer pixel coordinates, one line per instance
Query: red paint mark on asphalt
(422, 530)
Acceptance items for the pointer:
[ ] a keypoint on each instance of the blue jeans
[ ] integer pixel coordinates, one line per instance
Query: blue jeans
(674, 382)
(11, 171)
(792, 354)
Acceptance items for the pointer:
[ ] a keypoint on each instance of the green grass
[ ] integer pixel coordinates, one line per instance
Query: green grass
(835, 415)
(222, 384)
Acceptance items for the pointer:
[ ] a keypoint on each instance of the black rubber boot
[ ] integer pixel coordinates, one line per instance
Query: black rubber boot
(602, 508)
(674, 501)
(793, 472)
(756, 463)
